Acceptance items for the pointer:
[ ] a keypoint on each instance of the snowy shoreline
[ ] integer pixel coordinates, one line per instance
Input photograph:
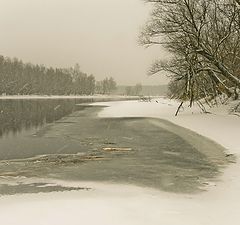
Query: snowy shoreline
(207, 125)
(127, 204)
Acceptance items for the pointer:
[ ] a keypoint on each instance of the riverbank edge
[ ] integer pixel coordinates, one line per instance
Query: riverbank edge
(100, 97)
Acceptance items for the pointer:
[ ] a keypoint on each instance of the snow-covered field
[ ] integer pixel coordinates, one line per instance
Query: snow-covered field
(111, 204)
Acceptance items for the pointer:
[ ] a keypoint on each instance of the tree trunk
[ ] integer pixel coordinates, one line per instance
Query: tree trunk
(179, 107)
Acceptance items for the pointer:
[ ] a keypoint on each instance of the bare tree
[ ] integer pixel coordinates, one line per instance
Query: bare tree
(203, 37)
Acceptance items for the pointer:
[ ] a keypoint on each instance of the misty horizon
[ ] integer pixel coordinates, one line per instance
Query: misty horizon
(102, 37)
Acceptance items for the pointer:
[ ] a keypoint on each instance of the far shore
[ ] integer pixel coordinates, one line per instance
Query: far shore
(112, 97)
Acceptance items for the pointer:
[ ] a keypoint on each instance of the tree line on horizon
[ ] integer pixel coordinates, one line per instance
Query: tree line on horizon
(203, 41)
(18, 78)
(134, 90)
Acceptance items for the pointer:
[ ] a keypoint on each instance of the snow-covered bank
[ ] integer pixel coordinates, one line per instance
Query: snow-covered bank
(108, 204)
(218, 126)
(221, 203)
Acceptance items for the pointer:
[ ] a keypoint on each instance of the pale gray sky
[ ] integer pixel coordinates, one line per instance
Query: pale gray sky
(100, 35)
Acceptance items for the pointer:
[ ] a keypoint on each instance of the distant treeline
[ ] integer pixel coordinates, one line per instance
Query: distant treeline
(138, 90)
(18, 78)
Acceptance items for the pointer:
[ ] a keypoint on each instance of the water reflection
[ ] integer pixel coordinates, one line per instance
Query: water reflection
(18, 115)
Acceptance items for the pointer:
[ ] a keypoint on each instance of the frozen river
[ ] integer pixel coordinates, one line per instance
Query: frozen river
(43, 140)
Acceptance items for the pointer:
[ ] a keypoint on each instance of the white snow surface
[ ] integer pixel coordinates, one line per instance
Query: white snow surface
(118, 204)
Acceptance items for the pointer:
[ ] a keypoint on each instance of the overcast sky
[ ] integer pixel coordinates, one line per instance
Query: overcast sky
(100, 35)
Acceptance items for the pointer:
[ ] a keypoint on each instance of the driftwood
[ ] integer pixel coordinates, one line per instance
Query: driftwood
(117, 149)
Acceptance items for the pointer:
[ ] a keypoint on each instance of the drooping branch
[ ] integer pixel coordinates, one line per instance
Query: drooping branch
(203, 37)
